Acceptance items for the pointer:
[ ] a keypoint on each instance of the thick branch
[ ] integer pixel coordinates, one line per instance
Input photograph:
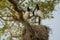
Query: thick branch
(15, 4)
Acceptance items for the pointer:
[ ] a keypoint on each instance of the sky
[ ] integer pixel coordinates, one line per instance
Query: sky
(54, 24)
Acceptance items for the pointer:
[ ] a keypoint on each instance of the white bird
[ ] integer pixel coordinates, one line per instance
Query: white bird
(38, 12)
(26, 14)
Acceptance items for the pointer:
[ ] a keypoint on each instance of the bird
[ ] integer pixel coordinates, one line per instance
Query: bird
(38, 12)
(26, 14)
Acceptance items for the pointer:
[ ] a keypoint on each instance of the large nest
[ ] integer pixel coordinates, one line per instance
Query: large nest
(41, 32)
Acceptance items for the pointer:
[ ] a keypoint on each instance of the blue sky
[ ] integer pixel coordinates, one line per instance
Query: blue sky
(54, 23)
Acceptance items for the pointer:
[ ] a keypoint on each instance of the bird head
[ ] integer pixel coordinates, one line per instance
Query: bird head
(37, 7)
(28, 9)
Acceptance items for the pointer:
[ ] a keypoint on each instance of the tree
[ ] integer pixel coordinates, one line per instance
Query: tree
(11, 16)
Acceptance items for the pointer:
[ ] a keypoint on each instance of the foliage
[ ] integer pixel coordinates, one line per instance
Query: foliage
(6, 26)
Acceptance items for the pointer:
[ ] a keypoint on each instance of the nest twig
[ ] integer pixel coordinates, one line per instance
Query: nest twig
(40, 33)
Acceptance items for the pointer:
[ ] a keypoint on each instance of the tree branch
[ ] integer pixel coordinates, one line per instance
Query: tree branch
(5, 19)
(15, 4)
(22, 2)
(5, 16)
(11, 17)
